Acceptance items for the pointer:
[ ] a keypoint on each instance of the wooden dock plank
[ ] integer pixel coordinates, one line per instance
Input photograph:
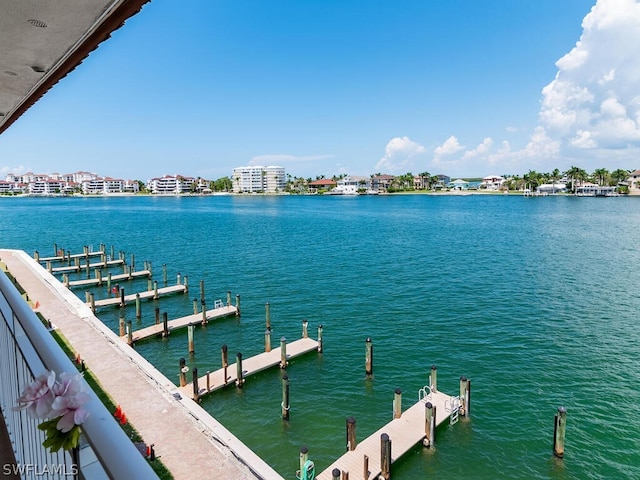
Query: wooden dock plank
(110, 302)
(59, 258)
(182, 322)
(250, 366)
(404, 432)
(79, 268)
(114, 278)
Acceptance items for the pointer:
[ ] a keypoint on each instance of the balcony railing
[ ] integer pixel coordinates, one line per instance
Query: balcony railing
(27, 350)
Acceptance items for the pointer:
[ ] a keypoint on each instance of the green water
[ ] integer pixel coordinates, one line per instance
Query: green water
(534, 299)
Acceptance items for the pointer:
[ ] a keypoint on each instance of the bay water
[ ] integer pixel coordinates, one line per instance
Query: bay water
(536, 300)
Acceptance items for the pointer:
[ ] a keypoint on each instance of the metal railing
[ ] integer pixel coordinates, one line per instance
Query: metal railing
(28, 350)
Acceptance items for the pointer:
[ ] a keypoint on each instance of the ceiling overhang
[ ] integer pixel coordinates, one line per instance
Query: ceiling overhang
(42, 41)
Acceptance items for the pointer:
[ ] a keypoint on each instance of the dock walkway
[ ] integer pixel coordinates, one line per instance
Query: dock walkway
(404, 432)
(196, 319)
(62, 258)
(250, 366)
(114, 278)
(149, 294)
(79, 268)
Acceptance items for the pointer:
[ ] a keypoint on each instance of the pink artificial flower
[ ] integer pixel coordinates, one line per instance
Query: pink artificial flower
(38, 396)
(69, 397)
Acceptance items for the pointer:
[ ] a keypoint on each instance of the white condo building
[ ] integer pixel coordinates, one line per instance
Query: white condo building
(257, 179)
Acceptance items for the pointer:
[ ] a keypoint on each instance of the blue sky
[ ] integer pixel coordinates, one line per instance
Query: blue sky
(460, 87)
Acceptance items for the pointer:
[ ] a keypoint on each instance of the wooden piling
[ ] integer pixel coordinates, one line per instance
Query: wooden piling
(155, 289)
(228, 298)
(157, 314)
(285, 397)
(121, 325)
(559, 427)
(55, 249)
(48, 264)
(433, 379)
(239, 377)
(109, 283)
(351, 433)
(304, 458)
(397, 403)
(267, 309)
(165, 325)
(92, 299)
(237, 305)
(195, 306)
(133, 262)
(320, 338)
(345, 475)
(186, 283)
(164, 273)
(204, 312)
(225, 363)
(365, 472)
(429, 425)
(99, 276)
(196, 390)
(283, 353)
(122, 300)
(178, 279)
(129, 333)
(267, 340)
(183, 372)
(149, 284)
(65, 279)
(465, 396)
(208, 380)
(305, 328)
(368, 357)
(335, 474)
(112, 251)
(201, 291)
(138, 307)
(385, 456)
(88, 268)
(190, 329)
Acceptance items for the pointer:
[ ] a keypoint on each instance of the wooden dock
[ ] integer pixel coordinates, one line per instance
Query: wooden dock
(114, 278)
(60, 258)
(79, 268)
(404, 432)
(250, 366)
(196, 319)
(149, 294)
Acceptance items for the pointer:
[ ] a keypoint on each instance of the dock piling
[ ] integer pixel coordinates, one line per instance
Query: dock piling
(129, 333)
(157, 312)
(267, 309)
(335, 474)
(433, 379)
(208, 380)
(559, 427)
(201, 291)
(465, 396)
(165, 325)
(397, 403)
(109, 283)
(92, 299)
(267, 340)
(385, 456)
(237, 305)
(225, 363)
(204, 312)
(190, 329)
(155, 289)
(65, 279)
(183, 372)
(305, 328)
(365, 472)
(138, 307)
(178, 279)
(121, 325)
(430, 425)
(196, 390)
(283, 353)
(164, 273)
(122, 300)
(195, 306)
(240, 379)
(285, 397)
(351, 433)
(368, 357)
(320, 338)
(228, 298)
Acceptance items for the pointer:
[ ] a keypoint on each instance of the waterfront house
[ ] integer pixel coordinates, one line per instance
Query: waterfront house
(634, 182)
(381, 183)
(492, 182)
(551, 188)
(322, 184)
(459, 184)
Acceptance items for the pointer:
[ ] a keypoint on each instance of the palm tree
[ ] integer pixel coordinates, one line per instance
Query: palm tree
(601, 174)
(619, 176)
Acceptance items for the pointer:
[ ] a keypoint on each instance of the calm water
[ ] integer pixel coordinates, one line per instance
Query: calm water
(534, 299)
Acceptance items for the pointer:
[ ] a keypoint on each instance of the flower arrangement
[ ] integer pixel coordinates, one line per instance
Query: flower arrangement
(59, 403)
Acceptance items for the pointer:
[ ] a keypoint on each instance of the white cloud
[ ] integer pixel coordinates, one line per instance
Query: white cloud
(4, 171)
(589, 113)
(399, 156)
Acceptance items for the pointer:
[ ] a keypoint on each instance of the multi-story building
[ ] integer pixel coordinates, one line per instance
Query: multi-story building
(258, 179)
(170, 184)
